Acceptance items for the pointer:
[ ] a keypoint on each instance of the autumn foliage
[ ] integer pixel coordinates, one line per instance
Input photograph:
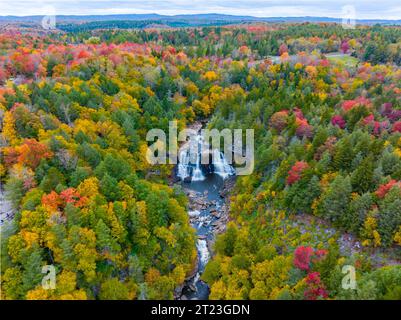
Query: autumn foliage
(315, 289)
(296, 172)
(302, 257)
(75, 110)
(29, 153)
(385, 188)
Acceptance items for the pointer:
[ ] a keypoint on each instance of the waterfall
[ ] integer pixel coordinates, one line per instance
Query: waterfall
(189, 165)
(205, 202)
(197, 174)
(183, 165)
(196, 151)
(221, 167)
(190, 160)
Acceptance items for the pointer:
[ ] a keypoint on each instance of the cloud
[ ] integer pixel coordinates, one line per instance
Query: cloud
(365, 9)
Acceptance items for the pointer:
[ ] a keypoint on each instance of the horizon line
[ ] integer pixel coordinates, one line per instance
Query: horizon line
(192, 14)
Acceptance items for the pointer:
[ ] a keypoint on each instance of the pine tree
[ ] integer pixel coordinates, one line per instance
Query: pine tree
(301, 194)
(362, 177)
(32, 274)
(343, 155)
(354, 218)
(335, 200)
(390, 215)
(109, 187)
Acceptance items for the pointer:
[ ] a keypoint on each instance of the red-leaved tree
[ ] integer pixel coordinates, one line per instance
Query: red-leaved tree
(339, 121)
(296, 171)
(385, 188)
(302, 257)
(315, 287)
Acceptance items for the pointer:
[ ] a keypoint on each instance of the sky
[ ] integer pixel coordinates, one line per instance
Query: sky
(364, 9)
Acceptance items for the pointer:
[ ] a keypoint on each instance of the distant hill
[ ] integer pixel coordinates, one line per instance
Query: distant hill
(188, 19)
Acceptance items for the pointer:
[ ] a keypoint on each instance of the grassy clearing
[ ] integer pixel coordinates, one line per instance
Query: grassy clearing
(344, 59)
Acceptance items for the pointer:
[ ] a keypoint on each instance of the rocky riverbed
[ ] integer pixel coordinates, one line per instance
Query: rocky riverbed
(207, 187)
(6, 210)
(208, 214)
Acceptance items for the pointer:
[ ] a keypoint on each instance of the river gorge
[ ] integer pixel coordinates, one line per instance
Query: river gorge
(206, 187)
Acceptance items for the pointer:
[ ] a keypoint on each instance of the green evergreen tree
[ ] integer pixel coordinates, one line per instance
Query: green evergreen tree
(362, 177)
(335, 200)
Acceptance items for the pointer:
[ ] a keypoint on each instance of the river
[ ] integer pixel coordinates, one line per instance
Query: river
(205, 187)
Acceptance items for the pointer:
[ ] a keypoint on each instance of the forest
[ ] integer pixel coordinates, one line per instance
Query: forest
(325, 106)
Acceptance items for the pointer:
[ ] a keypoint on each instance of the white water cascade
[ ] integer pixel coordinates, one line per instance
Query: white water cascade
(183, 165)
(221, 166)
(197, 174)
(190, 160)
(204, 254)
(189, 165)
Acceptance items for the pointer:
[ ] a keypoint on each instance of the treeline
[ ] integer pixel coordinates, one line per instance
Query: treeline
(375, 44)
(136, 24)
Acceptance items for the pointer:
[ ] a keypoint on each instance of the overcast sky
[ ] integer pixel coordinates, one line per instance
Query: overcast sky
(365, 9)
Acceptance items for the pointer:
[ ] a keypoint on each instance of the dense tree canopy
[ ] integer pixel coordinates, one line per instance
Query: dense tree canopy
(75, 108)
